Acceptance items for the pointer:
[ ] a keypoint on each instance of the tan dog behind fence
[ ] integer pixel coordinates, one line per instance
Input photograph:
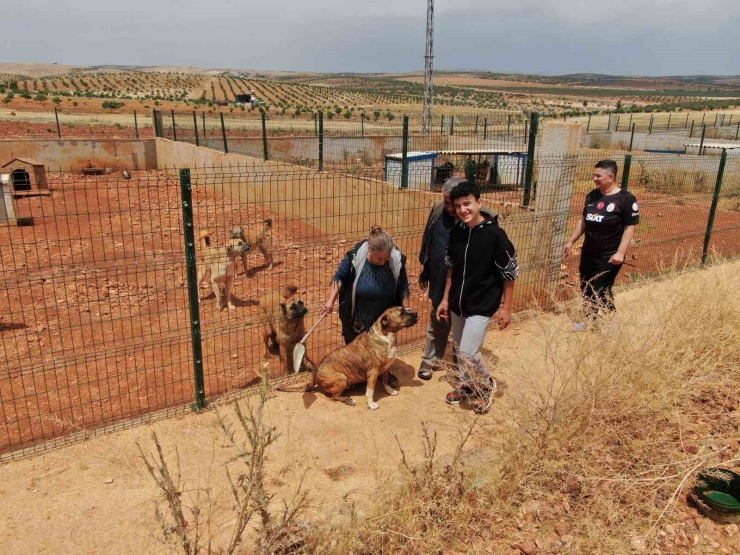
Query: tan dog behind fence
(219, 262)
(259, 238)
(366, 359)
(283, 325)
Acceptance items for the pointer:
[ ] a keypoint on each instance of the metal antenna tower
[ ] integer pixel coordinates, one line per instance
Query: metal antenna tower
(428, 59)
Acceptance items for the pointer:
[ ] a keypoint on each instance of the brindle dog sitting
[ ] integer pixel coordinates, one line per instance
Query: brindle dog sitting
(283, 325)
(368, 357)
(260, 239)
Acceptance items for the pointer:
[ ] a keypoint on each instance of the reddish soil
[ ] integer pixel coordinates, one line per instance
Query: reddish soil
(94, 317)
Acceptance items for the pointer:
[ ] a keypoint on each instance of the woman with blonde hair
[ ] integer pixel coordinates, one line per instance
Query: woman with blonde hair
(371, 279)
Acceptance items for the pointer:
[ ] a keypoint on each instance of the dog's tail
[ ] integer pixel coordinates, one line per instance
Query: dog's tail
(205, 238)
(299, 387)
(268, 223)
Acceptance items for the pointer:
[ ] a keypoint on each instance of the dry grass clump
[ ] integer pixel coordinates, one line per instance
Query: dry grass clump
(604, 439)
(190, 516)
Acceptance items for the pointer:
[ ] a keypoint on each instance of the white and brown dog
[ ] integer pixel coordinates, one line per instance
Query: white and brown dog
(220, 263)
(366, 359)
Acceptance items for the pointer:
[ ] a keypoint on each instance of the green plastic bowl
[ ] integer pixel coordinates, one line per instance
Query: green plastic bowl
(717, 492)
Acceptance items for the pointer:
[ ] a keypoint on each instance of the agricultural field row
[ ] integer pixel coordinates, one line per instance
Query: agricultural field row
(288, 94)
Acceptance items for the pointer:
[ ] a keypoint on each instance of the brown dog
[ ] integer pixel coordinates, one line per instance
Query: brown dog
(283, 325)
(260, 238)
(220, 263)
(368, 357)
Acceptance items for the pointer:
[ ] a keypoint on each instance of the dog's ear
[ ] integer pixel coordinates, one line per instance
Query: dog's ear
(290, 290)
(385, 320)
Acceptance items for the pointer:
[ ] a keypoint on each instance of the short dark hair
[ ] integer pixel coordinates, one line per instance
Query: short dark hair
(465, 189)
(609, 165)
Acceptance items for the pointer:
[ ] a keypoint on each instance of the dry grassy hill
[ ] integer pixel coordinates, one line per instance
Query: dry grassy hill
(455, 92)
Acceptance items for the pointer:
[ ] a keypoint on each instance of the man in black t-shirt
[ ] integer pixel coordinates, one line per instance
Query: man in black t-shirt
(610, 215)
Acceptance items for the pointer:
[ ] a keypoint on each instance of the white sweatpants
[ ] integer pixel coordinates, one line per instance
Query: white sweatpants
(468, 333)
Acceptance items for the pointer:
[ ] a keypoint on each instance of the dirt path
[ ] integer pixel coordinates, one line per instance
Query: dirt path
(95, 498)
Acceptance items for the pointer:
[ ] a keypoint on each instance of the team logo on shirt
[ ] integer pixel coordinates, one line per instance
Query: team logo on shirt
(600, 206)
(635, 207)
(610, 208)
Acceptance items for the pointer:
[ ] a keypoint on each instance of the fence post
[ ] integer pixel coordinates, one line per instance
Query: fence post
(616, 127)
(321, 141)
(59, 129)
(508, 125)
(729, 123)
(485, 129)
(588, 125)
(737, 133)
(362, 123)
(190, 263)
(157, 122)
(442, 125)
(691, 131)
(685, 125)
(195, 128)
(264, 136)
(650, 127)
(669, 121)
(626, 171)
(476, 126)
(630, 125)
(136, 125)
(405, 154)
(529, 170)
(174, 129)
(713, 209)
(701, 143)
(223, 133)
(716, 119)
(632, 138)
(452, 125)
(704, 115)
(203, 118)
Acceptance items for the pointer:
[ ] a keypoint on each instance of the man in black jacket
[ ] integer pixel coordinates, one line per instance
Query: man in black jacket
(482, 269)
(433, 276)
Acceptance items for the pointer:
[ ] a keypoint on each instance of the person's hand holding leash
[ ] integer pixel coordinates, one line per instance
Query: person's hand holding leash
(328, 308)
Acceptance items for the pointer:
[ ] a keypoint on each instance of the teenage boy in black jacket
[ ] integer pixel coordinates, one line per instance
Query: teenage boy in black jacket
(482, 269)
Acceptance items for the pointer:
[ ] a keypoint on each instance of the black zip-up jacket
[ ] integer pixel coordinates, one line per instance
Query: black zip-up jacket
(481, 259)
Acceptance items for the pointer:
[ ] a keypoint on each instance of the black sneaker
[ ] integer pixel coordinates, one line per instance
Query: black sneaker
(456, 396)
(482, 405)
